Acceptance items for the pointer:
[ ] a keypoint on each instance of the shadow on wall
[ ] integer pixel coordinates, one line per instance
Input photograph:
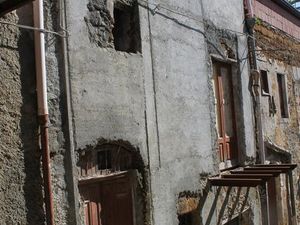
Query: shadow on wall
(28, 124)
(220, 206)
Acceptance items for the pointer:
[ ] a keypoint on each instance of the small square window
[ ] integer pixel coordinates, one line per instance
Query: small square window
(264, 82)
(282, 93)
(126, 30)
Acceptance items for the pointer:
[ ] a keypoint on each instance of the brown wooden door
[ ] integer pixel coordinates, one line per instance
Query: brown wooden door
(272, 202)
(92, 204)
(117, 203)
(225, 111)
(108, 202)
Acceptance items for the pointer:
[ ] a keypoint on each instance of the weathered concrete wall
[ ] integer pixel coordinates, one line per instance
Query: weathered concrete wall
(228, 18)
(181, 93)
(21, 199)
(107, 87)
(161, 101)
(224, 15)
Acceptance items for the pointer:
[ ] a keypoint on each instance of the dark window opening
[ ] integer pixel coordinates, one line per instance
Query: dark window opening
(185, 219)
(264, 82)
(104, 160)
(126, 30)
(282, 92)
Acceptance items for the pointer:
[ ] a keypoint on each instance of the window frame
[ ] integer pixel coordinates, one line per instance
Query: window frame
(264, 83)
(134, 45)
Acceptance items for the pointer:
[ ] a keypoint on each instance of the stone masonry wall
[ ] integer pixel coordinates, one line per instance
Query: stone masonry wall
(21, 200)
(273, 58)
(21, 183)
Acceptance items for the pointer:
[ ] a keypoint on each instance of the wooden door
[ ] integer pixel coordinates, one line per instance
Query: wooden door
(117, 203)
(272, 202)
(92, 204)
(108, 202)
(225, 111)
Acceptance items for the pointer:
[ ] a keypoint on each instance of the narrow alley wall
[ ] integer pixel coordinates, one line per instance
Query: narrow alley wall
(21, 189)
(21, 199)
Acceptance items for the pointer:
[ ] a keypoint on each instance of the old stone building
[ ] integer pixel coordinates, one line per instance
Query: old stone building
(153, 114)
(277, 33)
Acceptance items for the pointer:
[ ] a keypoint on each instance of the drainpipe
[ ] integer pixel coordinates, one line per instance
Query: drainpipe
(255, 78)
(41, 85)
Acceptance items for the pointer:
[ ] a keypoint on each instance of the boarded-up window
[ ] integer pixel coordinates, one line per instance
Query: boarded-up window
(282, 93)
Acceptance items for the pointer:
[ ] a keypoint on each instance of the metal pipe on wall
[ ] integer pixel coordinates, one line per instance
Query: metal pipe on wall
(255, 79)
(255, 75)
(41, 86)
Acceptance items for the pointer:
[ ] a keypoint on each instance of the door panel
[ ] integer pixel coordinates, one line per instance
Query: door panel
(118, 199)
(92, 207)
(108, 202)
(225, 111)
(272, 202)
(227, 101)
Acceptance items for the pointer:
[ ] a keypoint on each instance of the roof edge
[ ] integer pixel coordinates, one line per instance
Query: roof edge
(288, 7)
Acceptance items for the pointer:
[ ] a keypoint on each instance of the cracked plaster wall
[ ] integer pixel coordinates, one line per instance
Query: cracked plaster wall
(160, 100)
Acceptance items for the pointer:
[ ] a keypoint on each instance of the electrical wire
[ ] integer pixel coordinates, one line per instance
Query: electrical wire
(34, 28)
(158, 6)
